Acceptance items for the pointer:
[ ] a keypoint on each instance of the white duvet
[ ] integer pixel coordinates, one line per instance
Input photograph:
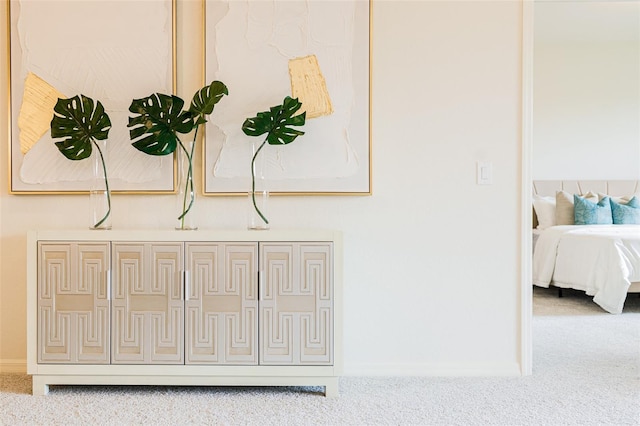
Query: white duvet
(601, 260)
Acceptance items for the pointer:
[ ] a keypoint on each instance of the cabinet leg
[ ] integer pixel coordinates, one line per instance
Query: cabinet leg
(38, 386)
(331, 389)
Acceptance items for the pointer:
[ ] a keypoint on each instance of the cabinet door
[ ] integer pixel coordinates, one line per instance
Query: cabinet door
(221, 303)
(148, 306)
(73, 303)
(296, 297)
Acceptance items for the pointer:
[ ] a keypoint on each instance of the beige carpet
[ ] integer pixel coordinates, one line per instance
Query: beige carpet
(586, 372)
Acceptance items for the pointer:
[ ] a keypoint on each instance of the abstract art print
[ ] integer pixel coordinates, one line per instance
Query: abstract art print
(314, 50)
(110, 51)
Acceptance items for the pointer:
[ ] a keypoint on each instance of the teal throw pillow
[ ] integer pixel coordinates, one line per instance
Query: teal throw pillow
(589, 213)
(626, 214)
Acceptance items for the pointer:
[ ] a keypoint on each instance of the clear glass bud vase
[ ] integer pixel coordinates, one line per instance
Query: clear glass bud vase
(186, 196)
(99, 192)
(258, 196)
(258, 215)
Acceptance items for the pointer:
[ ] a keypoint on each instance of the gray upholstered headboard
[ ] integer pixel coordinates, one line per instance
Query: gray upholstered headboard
(617, 188)
(610, 187)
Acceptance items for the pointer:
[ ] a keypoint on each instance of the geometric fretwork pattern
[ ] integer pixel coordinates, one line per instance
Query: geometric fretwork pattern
(296, 295)
(73, 303)
(148, 308)
(222, 303)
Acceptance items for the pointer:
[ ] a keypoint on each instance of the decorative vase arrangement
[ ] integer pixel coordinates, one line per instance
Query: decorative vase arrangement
(81, 123)
(154, 128)
(274, 123)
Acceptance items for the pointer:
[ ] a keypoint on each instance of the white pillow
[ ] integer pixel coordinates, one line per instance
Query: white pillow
(565, 209)
(620, 200)
(545, 208)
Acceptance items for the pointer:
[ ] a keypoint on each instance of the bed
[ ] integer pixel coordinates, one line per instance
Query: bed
(603, 260)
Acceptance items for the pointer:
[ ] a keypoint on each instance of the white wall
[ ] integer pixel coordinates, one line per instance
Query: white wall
(431, 259)
(586, 110)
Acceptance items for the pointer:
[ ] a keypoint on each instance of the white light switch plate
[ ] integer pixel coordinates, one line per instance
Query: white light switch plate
(484, 173)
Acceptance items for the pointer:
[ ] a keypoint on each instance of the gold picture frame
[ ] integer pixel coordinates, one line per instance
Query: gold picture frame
(334, 157)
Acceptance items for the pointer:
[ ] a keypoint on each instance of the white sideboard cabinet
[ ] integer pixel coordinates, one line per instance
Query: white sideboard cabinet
(164, 307)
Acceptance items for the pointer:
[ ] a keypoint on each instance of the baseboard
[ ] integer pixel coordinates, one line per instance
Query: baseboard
(18, 366)
(434, 370)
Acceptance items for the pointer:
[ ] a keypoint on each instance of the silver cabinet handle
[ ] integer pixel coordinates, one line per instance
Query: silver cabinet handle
(108, 278)
(186, 285)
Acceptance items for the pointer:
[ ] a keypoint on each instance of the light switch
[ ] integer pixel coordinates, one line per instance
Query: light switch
(484, 173)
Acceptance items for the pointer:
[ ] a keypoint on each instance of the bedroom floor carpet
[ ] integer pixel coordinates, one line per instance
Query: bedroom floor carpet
(586, 372)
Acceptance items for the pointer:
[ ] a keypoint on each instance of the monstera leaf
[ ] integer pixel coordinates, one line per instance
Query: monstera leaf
(275, 122)
(78, 121)
(205, 100)
(158, 120)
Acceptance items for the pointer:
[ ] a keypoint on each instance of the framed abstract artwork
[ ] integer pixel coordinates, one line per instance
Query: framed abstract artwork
(316, 51)
(112, 52)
